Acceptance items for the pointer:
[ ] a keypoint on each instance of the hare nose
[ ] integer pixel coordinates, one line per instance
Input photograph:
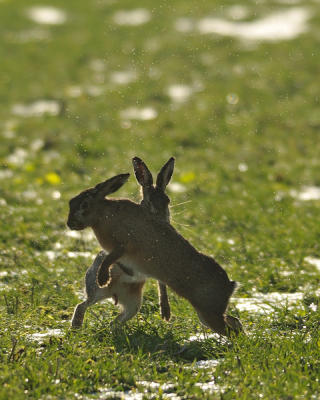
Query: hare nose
(70, 223)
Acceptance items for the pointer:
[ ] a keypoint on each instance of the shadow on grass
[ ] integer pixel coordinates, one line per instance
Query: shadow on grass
(150, 343)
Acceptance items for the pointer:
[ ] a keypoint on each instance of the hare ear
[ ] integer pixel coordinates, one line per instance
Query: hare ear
(110, 186)
(165, 174)
(142, 173)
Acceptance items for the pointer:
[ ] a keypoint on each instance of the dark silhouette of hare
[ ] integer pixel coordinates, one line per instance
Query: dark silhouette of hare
(135, 237)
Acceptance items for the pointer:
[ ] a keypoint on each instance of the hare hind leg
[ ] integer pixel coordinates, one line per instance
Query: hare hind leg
(234, 324)
(93, 296)
(224, 325)
(213, 321)
(78, 315)
(80, 309)
(93, 291)
(164, 301)
(129, 297)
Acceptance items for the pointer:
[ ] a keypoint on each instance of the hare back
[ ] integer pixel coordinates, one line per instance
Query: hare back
(156, 249)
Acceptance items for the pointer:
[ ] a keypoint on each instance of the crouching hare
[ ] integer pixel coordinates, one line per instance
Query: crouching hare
(126, 290)
(136, 238)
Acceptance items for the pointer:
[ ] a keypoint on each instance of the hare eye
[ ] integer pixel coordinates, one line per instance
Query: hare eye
(147, 204)
(85, 205)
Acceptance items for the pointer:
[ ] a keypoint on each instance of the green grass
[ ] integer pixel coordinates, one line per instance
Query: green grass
(239, 165)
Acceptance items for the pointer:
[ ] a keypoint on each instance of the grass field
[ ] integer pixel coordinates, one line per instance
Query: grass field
(232, 91)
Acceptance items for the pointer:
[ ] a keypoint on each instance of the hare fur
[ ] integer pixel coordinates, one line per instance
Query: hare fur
(132, 235)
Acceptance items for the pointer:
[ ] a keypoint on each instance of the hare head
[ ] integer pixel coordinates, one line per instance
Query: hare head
(83, 208)
(154, 197)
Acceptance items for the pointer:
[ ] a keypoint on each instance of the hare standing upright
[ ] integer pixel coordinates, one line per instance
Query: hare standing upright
(132, 235)
(126, 290)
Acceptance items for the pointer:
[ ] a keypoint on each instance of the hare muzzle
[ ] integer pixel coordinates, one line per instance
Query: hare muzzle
(74, 222)
(75, 225)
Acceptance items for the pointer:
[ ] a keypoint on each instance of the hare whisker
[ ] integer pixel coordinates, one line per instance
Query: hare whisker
(180, 204)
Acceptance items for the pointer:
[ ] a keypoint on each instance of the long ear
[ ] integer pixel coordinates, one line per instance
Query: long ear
(165, 174)
(142, 173)
(110, 186)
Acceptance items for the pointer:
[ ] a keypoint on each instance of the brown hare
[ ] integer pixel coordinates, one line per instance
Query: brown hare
(132, 235)
(126, 290)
